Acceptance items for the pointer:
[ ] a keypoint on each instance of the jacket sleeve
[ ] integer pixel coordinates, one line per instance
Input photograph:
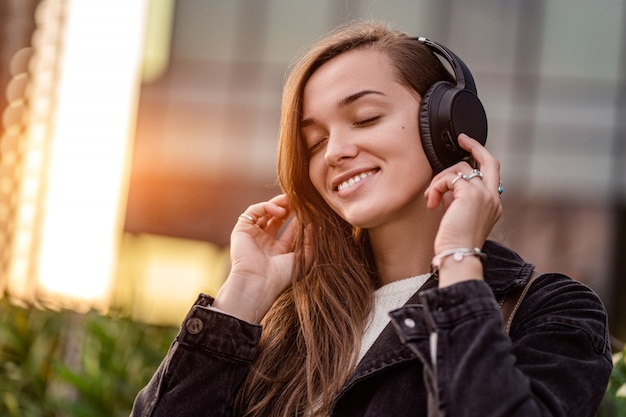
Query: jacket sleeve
(204, 367)
(556, 363)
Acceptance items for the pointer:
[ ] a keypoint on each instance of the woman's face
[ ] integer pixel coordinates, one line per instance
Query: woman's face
(361, 128)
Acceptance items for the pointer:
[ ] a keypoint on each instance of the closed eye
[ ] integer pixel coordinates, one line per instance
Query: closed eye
(366, 122)
(317, 146)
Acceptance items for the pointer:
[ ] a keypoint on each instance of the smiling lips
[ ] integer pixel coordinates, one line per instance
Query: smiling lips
(351, 181)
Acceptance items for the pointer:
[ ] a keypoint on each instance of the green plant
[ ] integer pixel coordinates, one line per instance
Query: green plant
(28, 345)
(61, 363)
(614, 404)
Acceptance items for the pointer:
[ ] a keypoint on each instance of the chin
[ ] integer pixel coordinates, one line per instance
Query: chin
(363, 212)
(362, 222)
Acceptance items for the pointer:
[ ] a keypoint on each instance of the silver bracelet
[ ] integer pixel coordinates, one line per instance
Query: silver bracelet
(457, 254)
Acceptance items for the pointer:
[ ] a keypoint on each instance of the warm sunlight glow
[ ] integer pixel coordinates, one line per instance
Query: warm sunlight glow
(97, 86)
(160, 277)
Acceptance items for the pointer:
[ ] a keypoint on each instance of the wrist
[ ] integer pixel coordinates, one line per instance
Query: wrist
(457, 265)
(237, 303)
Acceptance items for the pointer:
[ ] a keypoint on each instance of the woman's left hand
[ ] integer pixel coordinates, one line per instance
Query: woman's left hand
(472, 205)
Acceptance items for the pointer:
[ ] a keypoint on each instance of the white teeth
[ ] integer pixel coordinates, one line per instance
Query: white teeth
(350, 182)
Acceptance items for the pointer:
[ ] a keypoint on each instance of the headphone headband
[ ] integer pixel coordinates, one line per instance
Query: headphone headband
(464, 78)
(449, 109)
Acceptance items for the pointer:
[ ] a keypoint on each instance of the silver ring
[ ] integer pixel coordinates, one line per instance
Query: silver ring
(474, 173)
(459, 175)
(500, 189)
(248, 217)
(467, 177)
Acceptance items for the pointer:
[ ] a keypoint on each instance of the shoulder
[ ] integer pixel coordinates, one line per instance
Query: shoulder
(555, 302)
(554, 292)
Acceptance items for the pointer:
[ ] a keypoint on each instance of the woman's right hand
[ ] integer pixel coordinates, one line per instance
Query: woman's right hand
(261, 262)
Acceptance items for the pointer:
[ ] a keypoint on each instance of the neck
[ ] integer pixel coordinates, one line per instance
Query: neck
(405, 248)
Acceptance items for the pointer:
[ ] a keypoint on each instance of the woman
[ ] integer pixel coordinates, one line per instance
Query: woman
(301, 325)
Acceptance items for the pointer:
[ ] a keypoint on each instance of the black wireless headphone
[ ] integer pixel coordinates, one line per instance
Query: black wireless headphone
(448, 110)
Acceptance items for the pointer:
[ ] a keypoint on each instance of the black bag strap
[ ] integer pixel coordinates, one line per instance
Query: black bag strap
(510, 302)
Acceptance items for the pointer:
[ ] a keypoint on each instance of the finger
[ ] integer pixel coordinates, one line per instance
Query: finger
(459, 167)
(276, 226)
(260, 214)
(487, 163)
(274, 219)
(442, 184)
(448, 198)
(448, 174)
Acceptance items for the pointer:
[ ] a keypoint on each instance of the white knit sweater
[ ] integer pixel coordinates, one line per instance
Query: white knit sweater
(388, 298)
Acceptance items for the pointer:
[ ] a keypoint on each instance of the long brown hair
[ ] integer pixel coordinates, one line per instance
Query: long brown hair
(313, 331)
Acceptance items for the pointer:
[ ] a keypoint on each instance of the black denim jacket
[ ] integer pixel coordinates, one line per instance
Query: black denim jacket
(444, 354)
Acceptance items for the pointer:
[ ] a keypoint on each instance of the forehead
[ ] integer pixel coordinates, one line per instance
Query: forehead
(349, 72)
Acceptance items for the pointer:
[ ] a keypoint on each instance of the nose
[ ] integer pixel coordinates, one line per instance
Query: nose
(339, 147)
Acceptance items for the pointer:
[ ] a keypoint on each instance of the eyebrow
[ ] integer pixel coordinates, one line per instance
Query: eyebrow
(346, 101)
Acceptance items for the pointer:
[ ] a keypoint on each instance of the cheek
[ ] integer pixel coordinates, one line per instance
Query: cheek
(409, 149)
(317, 175)
(413, 139)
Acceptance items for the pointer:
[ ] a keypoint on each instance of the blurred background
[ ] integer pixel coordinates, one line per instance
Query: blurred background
(135, 131)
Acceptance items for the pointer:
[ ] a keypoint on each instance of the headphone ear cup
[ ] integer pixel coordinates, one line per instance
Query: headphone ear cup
(425, 123)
